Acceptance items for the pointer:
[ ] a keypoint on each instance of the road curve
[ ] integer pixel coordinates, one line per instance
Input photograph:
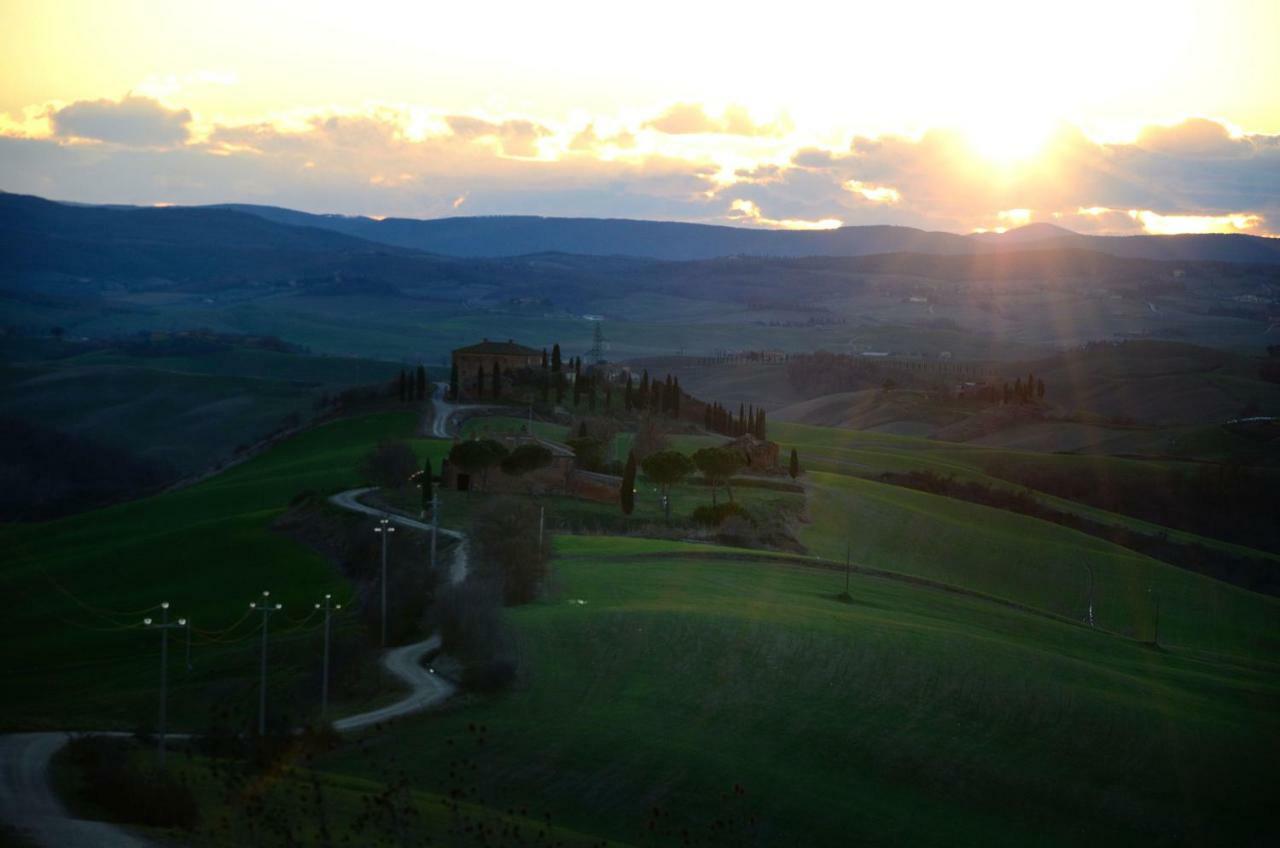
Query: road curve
(350, 499)
(27, 800)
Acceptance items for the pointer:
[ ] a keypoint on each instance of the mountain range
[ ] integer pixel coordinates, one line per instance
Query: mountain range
(519, 235)
(288, 233)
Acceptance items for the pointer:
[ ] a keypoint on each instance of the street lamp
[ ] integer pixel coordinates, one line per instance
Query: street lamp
(328, 608)
(384, 527)
(266, 608)
(164, 626)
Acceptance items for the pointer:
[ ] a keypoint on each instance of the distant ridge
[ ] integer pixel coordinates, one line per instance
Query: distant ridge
(509, 236)
(518, 235)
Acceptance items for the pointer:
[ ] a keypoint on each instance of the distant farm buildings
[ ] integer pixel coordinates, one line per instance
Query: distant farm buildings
(475, 364)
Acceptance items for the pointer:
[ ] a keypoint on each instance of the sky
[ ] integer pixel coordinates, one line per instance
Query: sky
(1110, 117)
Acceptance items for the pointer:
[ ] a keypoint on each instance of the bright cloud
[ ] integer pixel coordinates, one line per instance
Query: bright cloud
(745, 210)
(690, 163)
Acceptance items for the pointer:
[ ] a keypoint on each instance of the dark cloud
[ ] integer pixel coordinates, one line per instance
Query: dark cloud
(133, 121)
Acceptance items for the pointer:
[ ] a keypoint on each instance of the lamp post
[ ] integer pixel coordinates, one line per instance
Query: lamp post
(164, 626)
(384, 527)
(329, 607)
(266, 608)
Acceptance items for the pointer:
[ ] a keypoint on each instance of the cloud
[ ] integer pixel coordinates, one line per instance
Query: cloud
(588, 141)
(367, 164)
(515, 137)
(1193, 175)
(133, 121)
(692, 118)
(746, 211)
(1188, 175)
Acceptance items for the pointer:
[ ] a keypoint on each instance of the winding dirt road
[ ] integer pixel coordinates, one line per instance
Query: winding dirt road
(29, 804)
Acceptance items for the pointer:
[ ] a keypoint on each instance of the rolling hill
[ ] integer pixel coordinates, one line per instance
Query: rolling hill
(512, 235)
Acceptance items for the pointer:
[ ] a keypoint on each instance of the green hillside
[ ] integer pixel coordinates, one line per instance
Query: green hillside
(80, 586)
(911, 716)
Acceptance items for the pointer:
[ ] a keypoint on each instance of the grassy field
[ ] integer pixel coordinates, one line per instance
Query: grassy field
(657, 676)
(861, 454)
(80, 585)
(183, 412)
(910, 716)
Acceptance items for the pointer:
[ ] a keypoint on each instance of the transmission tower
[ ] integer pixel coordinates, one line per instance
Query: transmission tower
(597, 345)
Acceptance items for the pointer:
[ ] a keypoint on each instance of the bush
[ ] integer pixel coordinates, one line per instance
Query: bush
(469, 618)
(714, 516)
(505, 542)
(127, 792)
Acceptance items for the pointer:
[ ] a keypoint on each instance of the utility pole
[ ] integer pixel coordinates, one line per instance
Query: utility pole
(384, 527)
(164, 627)
(329, 607)
(266, 608)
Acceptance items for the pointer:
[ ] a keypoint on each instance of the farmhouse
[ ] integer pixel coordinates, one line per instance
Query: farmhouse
(475, 364)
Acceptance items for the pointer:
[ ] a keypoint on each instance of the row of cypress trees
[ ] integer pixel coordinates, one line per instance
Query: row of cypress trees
(413, 384)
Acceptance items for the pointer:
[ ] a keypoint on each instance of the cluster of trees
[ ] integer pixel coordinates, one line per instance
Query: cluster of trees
(653, 396)
(717, 419)
(412, 385)
(480, 456)
(1016, 392)
(1020, 392)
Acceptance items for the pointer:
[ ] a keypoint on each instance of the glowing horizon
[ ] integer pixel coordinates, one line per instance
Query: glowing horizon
(1158, 120)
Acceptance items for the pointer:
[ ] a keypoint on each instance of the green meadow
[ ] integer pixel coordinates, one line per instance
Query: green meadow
(658, 674)
(909, 716)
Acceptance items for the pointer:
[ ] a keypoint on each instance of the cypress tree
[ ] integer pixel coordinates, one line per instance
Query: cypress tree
(497, 381)
(555, 358)
(545, 384)
(422, 383)
(627, 496)
(544, 359)
(558, 376)
(591, 394)
(675, 397)
(577, 388)
(453, 380)
(627, 396)
(794, 466)
(480, 383)
(642, 396)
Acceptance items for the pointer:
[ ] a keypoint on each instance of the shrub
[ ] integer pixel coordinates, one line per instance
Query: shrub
(714, 516)
(127, 792)
(505, 545)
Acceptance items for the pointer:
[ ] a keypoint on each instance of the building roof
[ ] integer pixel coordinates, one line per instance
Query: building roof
(507, 348)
